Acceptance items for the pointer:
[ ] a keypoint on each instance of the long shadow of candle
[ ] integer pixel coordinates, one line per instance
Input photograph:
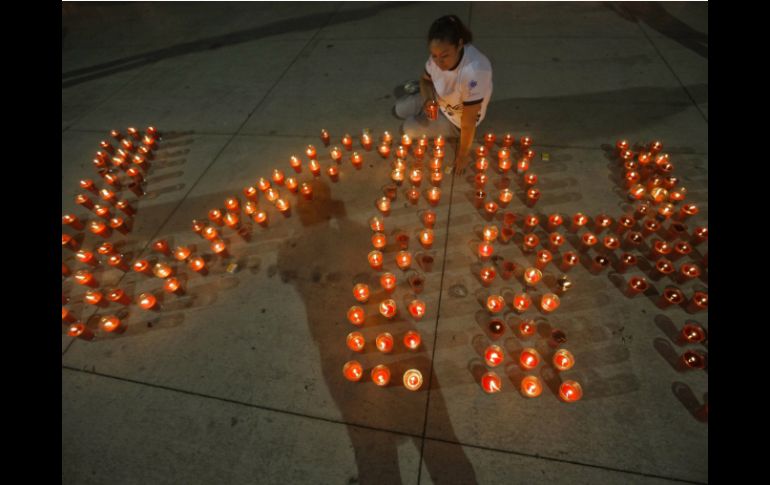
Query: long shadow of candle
(326, 241)
(690, 402)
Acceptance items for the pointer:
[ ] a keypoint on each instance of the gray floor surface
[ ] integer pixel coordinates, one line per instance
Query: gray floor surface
(239, 379)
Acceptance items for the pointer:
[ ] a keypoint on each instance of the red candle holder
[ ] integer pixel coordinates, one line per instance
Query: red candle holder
(507, 269)
(667, 210)
(102, 211)
(692, 333)
(637, 192)
(487, 275)
(361, 292)
(489, 140)
(542, 259)
(376, 224)
(310, 151)
(522, 165)
(532, 276)
(384, 150)
(531, 386)
(251, 208)
(530, 242)
(381, 375)
(397, 176)
(356, 315)
(88, 184)
(438, 152)
(508, 140)
(209, 233)
(429, 218)
(687, 211)
(569, 260)
(692, 360)
(677, 194)
(600, 263)
(439, 141)
(634, 239)
(563, 360)
(555, 220)
(495, 304)
(162, 270)
(436, 176)
(485, 250)
(481, 165)
(112, 180)
(219, 248)
(503, 154)
(306, 190)
(663, 267)
(65, 270)
(506, 235)
(77, 329)
(109, 323)
(527, 328)
(99, 228)
(579, 220)
(417, 309)
(630, 165)
(383, 204)
(525, 142)
(413, 194)
(636, 285)
(142, 266)
(625, 223)
(531, 222)
(347, 141)
(529, 154)
(355, 341)
(388, 281)
(375, 259)
(491, 208)
(611, 243)
(93, 297)
(533, 195)
(403, 260)
(570, 391)
(632, 178)
(681, 248)
(671, 296)
(626, 261)
(325, 138)
(84, 201)
(283, 206)
(530, 179)
(655, 147)
(491, 383)
(353, 371)
(315, 167)
(117, 261)
(622, 145)
(549, 302)
(650, 226)
(434, 195)
(366, 141)
(118, 224)
(118, 296)
(108, 196)
(660, 248)
(426, 238)
(496, 327)
(384, 342)
(489, 233)
(522, 302)
(333, 172)
(529, 358)
(401, 151)
(493, 355)
(198, 264)
(698, 302)
(505, 197)
(86, 257)
(419, 152)
(699, 235)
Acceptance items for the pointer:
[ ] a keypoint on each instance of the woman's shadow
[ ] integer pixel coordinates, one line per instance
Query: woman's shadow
(323, 261)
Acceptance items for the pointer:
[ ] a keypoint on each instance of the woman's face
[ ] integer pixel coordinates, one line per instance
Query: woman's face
(445, 54)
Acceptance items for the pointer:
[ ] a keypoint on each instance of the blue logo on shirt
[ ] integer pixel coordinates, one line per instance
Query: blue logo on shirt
(473, 84)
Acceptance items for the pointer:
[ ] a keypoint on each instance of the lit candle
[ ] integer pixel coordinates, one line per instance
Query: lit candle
(434, 195)
(109, 323)
(506, 196)
(436, 176)
(493, 355)
(355, 341)
(306, 190)
(569, 260)
(589, 240)
(215, 216)
(491, 208)
(602, 222)
(692, 333)
(544, 257)
(84, 201)
(531, 386)
(347, 141)
(503, 154)
(283, 206)
(521, 302)
(532, 276)
(397, 176)
(315, 167)
(325, 137)
(563, 283)
(142, 266)
(666, 210)
(404, 259)
(637, 192)
(388, 282)
(482, 164)
(632, 178)
(412, 379)
(384, 150)
(522, 165)
(99, 228)
(699, 301)
(531, 222)
(119, 225)
(413, 195)
(209, 233)
(384, 342)
(376, 224)
(353, 371)
(388, 138)
(383, 204)
(555, 220)
(426, 238)
(693, 360)
(626, 261)
(361, 292)
(198, 264)
(333, 172)
(671, 296)
(415, 176)
(636, 285)
(487, 275)
(630, 165)
(525, 142)
(93, 297)
(664, 267)
(278, 176)
(660, 248)
(489, 139)
(438, 152)
(219, 247)
(570, 391)
(485, 250)
(527, 328)
(556, 240)
(401, 151)
(549, 302)
(491, 383)
(366, 140)
(375, 259)
(687, 210)
(495, 303)
(118, 296)
(356, 315)
(77, 329)
(102, 211)
(530, 242)
(677, 194)
(622, 145)
(310, 151)
(529, 358)
(125, 207)
(381, 375)
(260, 217)
(496, 327)
(85, 257)
(291, 184)
(611, 242)
(162, 270)
(625, 223)
(508, 140)
(107, 195)
(417, 309)
(681, 248)
(112, 179)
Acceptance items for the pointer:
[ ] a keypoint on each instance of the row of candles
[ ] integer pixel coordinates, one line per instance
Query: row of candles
(380, 374)
(132, 158)
(529, 358)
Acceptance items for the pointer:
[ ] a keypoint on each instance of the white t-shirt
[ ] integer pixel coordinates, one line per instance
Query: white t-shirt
(468, 83)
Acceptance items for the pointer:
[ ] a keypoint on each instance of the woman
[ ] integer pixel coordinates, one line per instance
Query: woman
(459, 78)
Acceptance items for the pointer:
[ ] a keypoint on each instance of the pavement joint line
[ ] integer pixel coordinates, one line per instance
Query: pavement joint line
(671, 69)
(435, 328)
(561, 460)
(241, 403)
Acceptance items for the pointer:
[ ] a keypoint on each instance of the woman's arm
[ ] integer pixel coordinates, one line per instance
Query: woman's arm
(467, 134)
(427, 90)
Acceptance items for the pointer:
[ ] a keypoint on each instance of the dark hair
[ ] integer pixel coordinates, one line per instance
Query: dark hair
(449, 28)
